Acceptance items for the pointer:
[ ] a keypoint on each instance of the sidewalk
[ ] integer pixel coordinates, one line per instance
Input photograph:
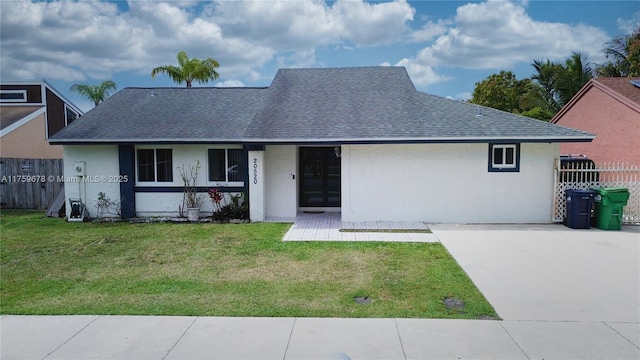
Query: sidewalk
(153, 337)
(328, 226)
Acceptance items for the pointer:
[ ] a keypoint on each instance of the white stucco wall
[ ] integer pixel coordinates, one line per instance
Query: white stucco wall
(168, 203)
(445, 183)
(102, 166)
(281, 187)
(102, 172)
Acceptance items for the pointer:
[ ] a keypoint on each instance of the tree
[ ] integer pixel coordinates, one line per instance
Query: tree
(500, 91)
(623, 55)
(538, 113)
(575, 73)
(189, 70)
(95, 93)
(543, 93)
(557, 84)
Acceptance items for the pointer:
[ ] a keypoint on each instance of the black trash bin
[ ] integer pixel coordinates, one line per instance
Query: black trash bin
(579, 205)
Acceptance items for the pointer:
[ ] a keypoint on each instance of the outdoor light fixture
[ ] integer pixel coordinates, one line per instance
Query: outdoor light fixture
(336, 150)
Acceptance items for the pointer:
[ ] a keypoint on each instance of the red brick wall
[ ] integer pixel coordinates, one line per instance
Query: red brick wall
(617, 128)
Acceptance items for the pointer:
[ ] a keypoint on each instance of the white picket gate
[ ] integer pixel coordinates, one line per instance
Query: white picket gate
(583, 176)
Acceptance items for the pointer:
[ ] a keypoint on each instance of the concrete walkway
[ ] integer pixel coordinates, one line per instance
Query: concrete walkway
(551, 272)
(151, 337)
(327, 226)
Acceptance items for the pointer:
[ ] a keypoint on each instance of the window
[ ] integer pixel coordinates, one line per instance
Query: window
(226, 165)
(13, 95)
(504, 157)
(155, 165)
(70, 115)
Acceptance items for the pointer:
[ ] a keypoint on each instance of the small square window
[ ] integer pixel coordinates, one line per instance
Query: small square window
(504, 157)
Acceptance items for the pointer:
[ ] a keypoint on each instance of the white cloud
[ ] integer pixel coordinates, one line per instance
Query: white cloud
(421, 74)
(298, 59)
(369, 24)
(230, 83)
(94, 39)
(77, 40)
(629, 25)
(430, 30)
(465, 96)
(498, 34)
(293, 25)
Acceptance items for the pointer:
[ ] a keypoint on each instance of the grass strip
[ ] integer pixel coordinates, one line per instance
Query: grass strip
(50, 266)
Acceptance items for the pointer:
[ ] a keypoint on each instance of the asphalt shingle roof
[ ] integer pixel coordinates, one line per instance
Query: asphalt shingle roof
(365, 104)
(622, 86)
(12, 114)
(168, 114)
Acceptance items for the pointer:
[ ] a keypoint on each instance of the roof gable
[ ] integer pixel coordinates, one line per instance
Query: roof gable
(36, 93)
(618, 88)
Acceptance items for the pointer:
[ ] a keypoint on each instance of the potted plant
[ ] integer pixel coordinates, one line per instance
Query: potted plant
(191, 199)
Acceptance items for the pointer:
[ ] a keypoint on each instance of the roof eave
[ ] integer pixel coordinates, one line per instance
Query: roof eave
(511, 139)
(78, 141)
(517, 139)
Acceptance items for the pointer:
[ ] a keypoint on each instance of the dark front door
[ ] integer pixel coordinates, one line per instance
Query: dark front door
(320, 180)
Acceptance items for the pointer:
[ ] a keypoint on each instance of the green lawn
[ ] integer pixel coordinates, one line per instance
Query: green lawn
(49, 266)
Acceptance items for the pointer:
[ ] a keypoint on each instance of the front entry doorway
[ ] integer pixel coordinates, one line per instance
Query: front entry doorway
(320, 180)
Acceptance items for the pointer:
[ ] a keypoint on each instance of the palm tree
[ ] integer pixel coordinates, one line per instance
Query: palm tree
(575, 74)
(555, 83)
(95, 93)
(623, 54)
(543, 92)
(189, 70)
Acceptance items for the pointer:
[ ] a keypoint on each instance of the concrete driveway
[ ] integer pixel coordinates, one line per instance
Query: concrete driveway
(551, 272)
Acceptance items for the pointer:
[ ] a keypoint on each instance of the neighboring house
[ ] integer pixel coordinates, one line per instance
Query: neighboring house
(610, 109)
(31, 112)
(362, 141)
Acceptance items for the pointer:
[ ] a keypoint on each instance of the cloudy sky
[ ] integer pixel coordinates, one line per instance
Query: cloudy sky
(446, 46)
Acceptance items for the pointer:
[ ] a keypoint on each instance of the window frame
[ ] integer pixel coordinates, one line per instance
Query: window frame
(504, 167)
(155, 166)
(68, 108)
(226, 181)
(22, 92)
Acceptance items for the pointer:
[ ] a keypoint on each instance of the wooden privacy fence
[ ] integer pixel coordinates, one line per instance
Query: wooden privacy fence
(29, 183)
(584, 176)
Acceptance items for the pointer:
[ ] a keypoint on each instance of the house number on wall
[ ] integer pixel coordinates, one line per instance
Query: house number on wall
(255, 170)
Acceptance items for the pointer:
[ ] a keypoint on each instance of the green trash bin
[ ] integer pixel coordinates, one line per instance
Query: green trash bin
(608, 207)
